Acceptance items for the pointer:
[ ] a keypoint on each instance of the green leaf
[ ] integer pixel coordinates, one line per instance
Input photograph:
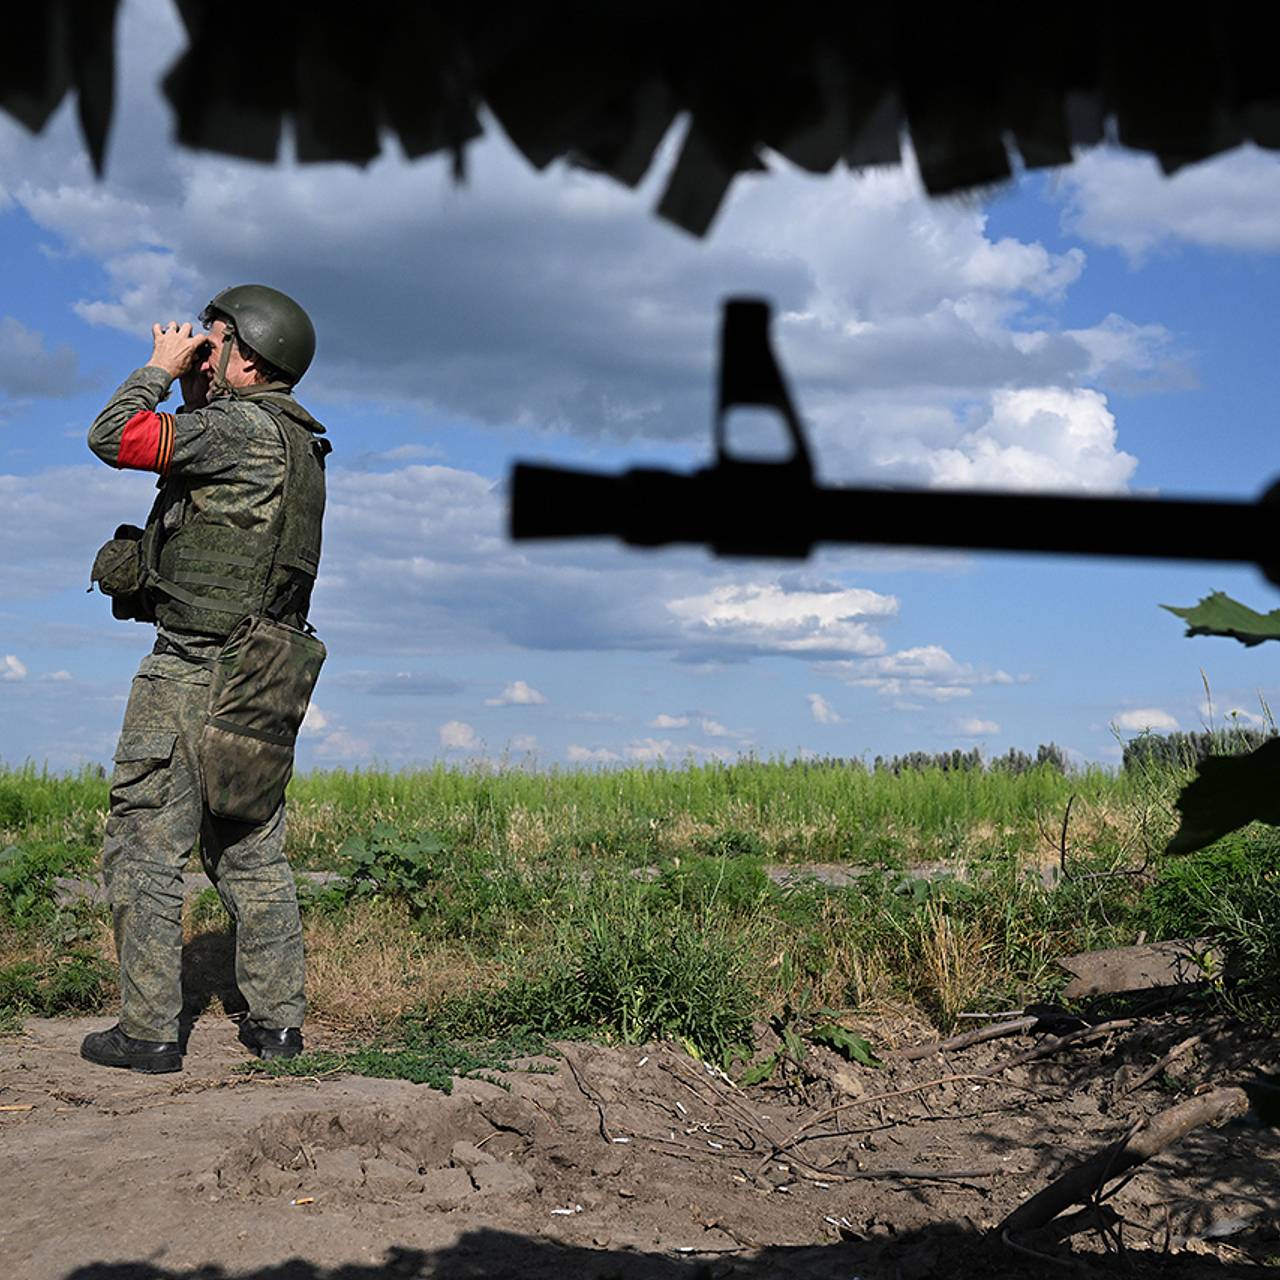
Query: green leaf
(793, 1044)
(760, 1071)
(1220, 615)
(849, 1046)
(1228, 792)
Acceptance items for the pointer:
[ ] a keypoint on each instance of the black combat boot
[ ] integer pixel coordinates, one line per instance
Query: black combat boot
(112, 1048)
(270, 1043)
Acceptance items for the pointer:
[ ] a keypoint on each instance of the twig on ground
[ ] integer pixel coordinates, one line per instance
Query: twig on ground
(590, 1095)
(994, 1032)
(727, 1098)
(783, 1147)
(1084, 1183)
(1048, 1047)
(1154, 1070)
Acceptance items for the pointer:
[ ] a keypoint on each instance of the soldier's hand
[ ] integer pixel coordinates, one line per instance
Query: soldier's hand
(175, 347)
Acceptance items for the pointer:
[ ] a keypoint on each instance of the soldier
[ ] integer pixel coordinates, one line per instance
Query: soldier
(234, 532)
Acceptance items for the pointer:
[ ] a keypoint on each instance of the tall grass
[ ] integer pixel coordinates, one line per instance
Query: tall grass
(647, 901)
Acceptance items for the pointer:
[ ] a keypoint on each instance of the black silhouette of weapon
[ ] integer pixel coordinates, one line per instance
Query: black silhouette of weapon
(743, 507)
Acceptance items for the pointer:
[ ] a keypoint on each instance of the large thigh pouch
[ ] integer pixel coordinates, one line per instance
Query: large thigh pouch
(262, 683)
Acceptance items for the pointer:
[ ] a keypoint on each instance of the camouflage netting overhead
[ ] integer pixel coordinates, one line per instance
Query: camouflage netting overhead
(977, 88)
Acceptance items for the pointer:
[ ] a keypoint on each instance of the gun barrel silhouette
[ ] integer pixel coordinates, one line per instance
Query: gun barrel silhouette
(751, 508)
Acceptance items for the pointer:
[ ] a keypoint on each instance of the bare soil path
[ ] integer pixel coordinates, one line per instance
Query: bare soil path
(607, 1162)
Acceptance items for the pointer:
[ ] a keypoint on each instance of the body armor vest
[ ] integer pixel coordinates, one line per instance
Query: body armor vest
(208, 573)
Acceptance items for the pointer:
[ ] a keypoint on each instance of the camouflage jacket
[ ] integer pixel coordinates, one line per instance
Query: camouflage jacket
(223, 465)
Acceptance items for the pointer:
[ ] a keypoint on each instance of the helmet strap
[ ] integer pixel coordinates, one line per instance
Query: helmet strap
(218, 384)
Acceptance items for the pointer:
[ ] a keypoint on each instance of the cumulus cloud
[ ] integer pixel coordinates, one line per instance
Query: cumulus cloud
(524, 742)
(517, 694)
(771, 617)
(664, 721)
(821, 710)
(557, 301)
(1145, 720)
(13, 668)
(315, 722)
(457, 735)
(1121, 199)
(577, 754)
(1037, 438)
(417, 561)
(925, 672)
(975, 728)
(29, 369)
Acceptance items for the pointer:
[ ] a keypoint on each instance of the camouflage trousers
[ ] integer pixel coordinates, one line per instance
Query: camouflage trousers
(157, 815)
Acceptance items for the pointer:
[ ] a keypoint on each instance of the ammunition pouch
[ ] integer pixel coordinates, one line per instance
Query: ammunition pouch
(262, 682)
(120, 572)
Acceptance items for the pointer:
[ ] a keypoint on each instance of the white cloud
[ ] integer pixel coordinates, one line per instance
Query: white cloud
(977, 728)
(714, 729)
(821, 709)
(1122, 199)
(1038, 438)
(590, 316)
(456, 735)
(524, 742)
(517, 694)
(341, 747)
(770, 617)
(1145, 719)
(664, 721)
(576, 754)
(315, 722)
(926, 671)
(14, 668)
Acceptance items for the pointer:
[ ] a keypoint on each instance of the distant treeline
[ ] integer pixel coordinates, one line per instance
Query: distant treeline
(1183, 750)
(956, 761)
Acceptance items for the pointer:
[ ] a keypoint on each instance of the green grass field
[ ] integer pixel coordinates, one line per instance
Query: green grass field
(641, 902)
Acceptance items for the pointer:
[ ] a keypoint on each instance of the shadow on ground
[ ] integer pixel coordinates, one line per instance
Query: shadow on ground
(944, 1250)
(209, 970)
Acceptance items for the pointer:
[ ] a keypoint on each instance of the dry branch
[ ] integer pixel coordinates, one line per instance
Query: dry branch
(1081, 1184)
(967, 1038)
(1156, 1067)
(1048, 1047)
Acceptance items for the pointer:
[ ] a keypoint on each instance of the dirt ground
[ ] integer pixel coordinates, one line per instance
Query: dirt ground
(614, 1163)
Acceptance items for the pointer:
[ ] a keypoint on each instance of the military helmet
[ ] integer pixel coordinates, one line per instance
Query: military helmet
(269, 323)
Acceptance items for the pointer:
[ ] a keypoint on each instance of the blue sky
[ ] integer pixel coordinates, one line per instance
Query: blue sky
(1097, 329)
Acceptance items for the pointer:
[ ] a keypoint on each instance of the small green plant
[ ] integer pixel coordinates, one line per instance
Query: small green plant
(795, 1032)
(629, 973)
(388, 862)
(731, 843)
(419, 1056)
(28, 876)
(76, 982)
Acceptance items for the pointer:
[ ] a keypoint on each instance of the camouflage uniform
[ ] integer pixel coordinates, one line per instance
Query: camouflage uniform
(227, 461)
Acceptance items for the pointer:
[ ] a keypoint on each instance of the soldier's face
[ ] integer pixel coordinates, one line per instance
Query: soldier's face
(240, 373)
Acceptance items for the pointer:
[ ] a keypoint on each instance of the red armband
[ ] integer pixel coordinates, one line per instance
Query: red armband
(147, 442)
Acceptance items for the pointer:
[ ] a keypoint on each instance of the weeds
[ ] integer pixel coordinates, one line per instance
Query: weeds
(76, 982)
(420, 1057)
(639, 903)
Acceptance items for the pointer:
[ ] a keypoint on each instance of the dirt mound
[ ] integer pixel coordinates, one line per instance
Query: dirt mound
(618, 1162)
